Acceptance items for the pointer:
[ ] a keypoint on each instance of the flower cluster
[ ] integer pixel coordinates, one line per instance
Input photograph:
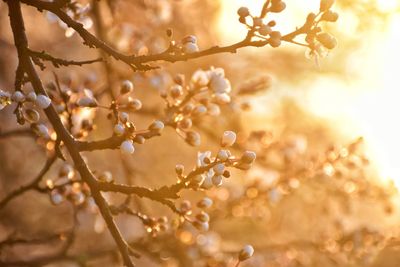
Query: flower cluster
(189, 101)
(67, 186)
(78, 12)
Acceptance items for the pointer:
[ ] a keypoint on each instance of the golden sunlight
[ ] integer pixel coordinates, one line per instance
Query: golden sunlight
(367, 105)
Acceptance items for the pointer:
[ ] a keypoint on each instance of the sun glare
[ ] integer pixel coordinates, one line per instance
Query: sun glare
(368, 105)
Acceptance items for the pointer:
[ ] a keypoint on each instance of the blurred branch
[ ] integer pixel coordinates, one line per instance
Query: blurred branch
(16, 132)
(57, 62)
(31, 185)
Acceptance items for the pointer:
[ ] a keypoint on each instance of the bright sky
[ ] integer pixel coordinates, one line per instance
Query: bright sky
(368, 105)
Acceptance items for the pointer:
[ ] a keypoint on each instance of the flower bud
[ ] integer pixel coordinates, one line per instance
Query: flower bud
(201, 226)
(186, 206)
(199, 110)
(325, 5)
(243, 12)
(126, 87)
(222, 155)
(40, 130)
(277, 6)
(257, 21)
(42, 101)
(228, 139)
(124, 117)
(207, 183)
(140, 139)
(134, 104)
(56, 198)
(264, 30)
(187, 109)
(157, 126)
(222, 98)
(189, 39)
(219, 169)
(327, 40)
(32, 115)
(217, 180)
(66, 171)
(226, 174)
(203, 217)
(330, 16)
(18, 96)
(219, 84)
(86, 102)
(106, 177)
(179, 169)
(190, 48)
(186, 123)
(213, 110)
(193, 138)
(205, 203)
(246, 252)
(248, 157)
(31, 96)
(119, 129)
(127, 147)
(176, 91)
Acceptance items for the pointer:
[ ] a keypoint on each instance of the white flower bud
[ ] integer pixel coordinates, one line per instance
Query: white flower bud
(66, 170)
(186, 206)
(205, 203)
(219, 169)
(186, 123)
(222, 98)
(219, 84)
(127, 147)
(189, 39)
(228, 139)
(18, 96)
(56, 198)
(246, 252)
(40, 130)
(124, 117)
(207, 183)
(119, 129)
(31, 96)
(87, 102)
(199, 110)
(223, 155)
(217, 180)
(248, 157)
(190, 47)
(135, 104)
(203, 217)
(157, 126)
(193, 138)
(197, 180)
(176, 91)
(201, 226)
(213, 109)
(106, 177)
(126, 87)
(200, 78)
(42, 101)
